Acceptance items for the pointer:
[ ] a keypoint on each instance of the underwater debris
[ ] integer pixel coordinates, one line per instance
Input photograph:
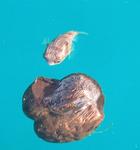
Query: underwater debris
(64, 110)
(60, 48)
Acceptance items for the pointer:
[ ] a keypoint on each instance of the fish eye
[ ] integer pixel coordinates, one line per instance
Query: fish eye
(58, 61)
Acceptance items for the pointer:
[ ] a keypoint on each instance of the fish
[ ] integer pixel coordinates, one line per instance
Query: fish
(60, 47)
(66, 109)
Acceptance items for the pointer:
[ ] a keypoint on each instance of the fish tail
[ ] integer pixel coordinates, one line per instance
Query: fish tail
(81, 32)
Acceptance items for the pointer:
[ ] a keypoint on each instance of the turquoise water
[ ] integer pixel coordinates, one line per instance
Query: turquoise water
(110, 53)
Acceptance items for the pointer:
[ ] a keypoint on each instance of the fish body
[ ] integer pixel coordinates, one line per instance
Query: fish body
(60, 48)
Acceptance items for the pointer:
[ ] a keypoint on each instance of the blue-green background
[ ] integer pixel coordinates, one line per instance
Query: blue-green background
(110, 54)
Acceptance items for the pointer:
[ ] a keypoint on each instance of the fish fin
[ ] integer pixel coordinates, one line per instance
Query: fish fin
(105, 129)
(71, 52)
(45, 41)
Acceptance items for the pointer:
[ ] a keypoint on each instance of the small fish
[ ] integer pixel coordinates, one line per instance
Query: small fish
(60, 47)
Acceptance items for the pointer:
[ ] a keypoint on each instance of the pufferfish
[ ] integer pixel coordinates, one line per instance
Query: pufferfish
(60, 47)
